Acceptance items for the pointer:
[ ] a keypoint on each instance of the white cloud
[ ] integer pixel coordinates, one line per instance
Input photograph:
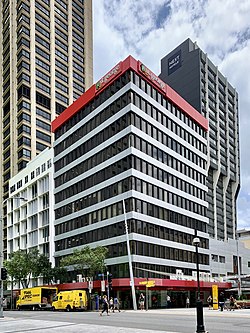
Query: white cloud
(149, 29)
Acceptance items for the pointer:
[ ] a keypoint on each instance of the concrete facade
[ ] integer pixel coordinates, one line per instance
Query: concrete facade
(131, 137)
(30, 224)
(189, 71)
(46, 64)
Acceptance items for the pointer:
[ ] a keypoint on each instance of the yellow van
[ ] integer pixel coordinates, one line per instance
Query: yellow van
(70, 300)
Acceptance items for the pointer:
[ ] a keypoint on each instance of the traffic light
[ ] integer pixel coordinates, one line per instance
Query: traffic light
(4, 273)
(110, 279)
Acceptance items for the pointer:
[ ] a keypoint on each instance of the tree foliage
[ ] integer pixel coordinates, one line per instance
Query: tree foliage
(87, 261)
(22, 266)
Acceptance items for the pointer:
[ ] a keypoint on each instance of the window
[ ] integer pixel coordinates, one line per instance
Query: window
(42, 75)
(61, 65)
(43, 125)
(24, 128)
(24, 116)
(40, 146)
(43, 87)
(222, 259)
(43, 100)
(43, 136)
(26, 153)
(43, 114)
(214, 257)
(42, 64)
(42, 53)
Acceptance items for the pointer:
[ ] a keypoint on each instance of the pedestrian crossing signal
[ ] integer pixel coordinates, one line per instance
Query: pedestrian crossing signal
(4, 273)
(110, 279)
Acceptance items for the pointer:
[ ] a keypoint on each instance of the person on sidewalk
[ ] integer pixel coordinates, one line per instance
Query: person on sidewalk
(111, 304)
(210, 302)
(187, 302)
(231, 303)
(105, 306)
(221, 301)
(168, 302)
(116, 304)
(141, 301)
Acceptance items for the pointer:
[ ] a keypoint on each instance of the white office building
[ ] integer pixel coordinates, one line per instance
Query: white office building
(30, 222)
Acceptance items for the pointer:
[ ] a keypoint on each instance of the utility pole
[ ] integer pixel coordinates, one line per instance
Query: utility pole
(132, 283)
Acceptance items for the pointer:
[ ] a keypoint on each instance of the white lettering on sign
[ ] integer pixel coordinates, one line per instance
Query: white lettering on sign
(147, 72)
(106, 78)
(174, 62)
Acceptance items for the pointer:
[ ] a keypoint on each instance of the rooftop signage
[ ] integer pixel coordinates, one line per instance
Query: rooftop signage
(108, 77)
(174, 62)
(139, 68)
(150, 75)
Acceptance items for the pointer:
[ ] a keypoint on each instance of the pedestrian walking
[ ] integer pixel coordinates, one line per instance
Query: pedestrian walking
(111, 304)
(187, 302)
(210, 302)
(105, 305)
(231, 303)
(168, 301)
(116, 305)
(221, 301)
(141, 301)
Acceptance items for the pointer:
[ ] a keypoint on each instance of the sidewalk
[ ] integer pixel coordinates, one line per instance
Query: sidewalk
(192, 311)
(13, 325)
(9, 324)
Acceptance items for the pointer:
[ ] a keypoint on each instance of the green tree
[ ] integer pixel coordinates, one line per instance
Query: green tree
(23, 265)
(87, 261)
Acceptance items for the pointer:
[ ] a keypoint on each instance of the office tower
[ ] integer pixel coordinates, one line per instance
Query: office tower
(131, 138)
(189, 71)
(30, 219)
(46, 64)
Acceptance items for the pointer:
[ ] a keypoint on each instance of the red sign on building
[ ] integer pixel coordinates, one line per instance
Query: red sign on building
(109, 76)
(151, 76)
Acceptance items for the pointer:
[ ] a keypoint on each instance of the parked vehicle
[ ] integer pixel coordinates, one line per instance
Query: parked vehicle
(70, 300)
(36, 298)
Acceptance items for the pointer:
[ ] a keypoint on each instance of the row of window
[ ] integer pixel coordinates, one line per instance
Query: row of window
(131, 204)
(134, 226)
(143, 187)
(141, 165)
(132, 183)
(138, 143)
(94, 141)
(98, 100)
(140, 249)
(146, 127)
(156, 95)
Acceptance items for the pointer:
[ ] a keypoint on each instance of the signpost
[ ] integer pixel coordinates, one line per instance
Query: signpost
(215, 296)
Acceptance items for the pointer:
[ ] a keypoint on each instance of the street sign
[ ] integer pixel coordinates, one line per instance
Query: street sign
(148, 284)
(103, 285)
(143, 282)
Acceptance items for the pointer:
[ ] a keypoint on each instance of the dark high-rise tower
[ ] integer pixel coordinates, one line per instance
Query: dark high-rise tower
(189, 71)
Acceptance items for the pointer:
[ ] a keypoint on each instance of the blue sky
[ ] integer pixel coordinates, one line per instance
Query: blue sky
(149, 29)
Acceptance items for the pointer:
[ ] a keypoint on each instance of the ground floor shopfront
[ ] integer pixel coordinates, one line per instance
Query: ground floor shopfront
(178, 290)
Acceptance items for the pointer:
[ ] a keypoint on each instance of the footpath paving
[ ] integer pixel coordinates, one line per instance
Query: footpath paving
(11, 325)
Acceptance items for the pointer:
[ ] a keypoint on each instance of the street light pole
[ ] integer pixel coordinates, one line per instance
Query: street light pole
(199, 304)
(132, 283)
(1, 250)
(238, 268)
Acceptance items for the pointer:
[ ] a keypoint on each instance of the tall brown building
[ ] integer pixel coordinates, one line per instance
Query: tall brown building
(46, 64)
